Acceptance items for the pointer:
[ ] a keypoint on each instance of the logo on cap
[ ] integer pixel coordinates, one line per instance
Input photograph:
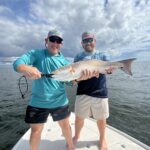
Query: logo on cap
(55, 33)
(87, 35)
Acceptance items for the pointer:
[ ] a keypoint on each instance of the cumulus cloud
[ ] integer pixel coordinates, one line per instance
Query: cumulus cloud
(116, 24)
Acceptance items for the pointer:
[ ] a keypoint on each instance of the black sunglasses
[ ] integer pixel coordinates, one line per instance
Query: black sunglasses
(89, 40)
(56, 39)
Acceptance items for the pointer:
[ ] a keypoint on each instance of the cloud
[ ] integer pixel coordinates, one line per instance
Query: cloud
(5, 10)
(117, 25)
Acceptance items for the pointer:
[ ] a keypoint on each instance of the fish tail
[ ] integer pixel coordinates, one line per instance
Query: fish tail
(127, 65)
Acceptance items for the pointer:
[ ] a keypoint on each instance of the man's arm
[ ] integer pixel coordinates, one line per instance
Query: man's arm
(29, 71)
(24, 65)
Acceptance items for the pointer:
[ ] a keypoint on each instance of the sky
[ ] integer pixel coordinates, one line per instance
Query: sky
(119, 26)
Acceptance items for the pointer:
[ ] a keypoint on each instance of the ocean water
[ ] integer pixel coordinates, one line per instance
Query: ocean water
(129, 99)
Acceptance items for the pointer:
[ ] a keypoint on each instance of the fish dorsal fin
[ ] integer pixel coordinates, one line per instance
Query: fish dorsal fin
(127, 65)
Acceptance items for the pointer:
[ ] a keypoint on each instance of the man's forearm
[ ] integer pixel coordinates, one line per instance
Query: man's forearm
(22, 68)
(29, 71)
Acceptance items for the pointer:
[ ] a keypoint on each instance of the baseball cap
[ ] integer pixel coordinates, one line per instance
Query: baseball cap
(55, 33)
(87, 35)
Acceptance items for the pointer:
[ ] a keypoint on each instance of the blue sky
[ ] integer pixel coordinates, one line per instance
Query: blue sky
(19, 8)
(120, 26)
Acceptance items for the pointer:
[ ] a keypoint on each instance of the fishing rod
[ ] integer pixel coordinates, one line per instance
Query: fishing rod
(47, 75)
(26, 83)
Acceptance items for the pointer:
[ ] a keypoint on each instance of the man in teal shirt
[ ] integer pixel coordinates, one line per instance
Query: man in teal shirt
(48, 95)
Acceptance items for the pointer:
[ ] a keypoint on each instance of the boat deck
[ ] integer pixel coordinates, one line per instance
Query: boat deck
(52, 138)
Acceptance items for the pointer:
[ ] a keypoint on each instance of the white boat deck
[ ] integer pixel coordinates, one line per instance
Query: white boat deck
(52, 138)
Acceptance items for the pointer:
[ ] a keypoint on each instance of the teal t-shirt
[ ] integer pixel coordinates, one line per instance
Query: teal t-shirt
(46, 92)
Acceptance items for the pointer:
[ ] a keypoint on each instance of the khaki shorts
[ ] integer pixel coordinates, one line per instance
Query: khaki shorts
(87, 106)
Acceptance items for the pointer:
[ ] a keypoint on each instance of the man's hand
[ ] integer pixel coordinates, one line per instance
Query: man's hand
(110, 70)
(87, 75)
(29, 72)
(32, 73)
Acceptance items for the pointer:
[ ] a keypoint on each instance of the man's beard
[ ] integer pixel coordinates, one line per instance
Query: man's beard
(89, 49)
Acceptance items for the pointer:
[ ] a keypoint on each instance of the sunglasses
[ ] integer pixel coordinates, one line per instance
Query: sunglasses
(89, 40)
(56, 39)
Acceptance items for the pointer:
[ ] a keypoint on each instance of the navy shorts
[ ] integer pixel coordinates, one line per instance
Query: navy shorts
(40, 115)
